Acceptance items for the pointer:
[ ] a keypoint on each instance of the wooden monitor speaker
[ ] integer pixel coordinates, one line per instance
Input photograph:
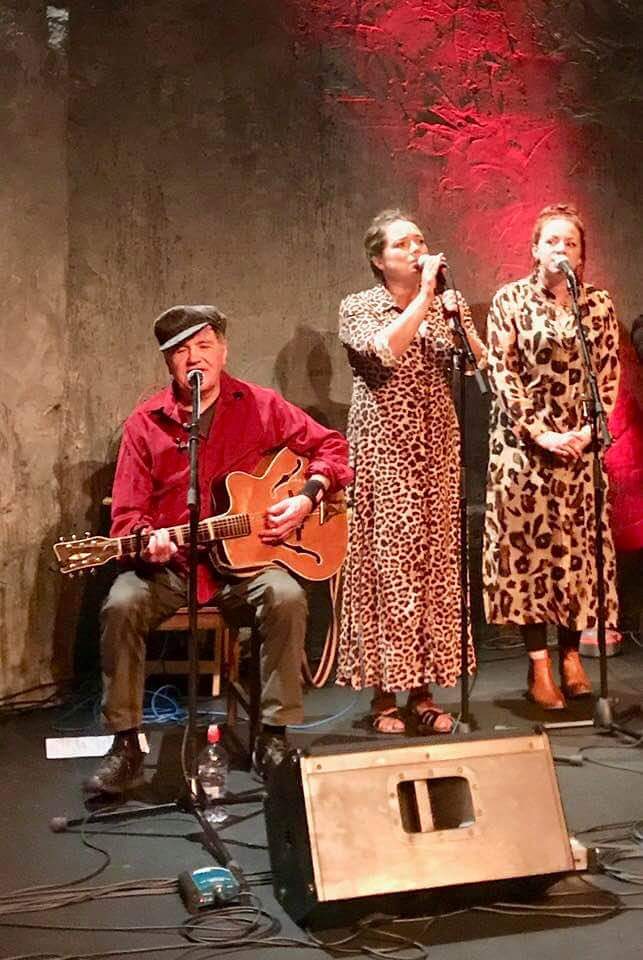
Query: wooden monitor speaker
(361, 821)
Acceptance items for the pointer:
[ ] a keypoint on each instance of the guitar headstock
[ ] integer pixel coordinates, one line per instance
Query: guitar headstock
(78, 555)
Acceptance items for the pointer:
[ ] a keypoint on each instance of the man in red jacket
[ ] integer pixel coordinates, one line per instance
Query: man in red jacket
(239, 423)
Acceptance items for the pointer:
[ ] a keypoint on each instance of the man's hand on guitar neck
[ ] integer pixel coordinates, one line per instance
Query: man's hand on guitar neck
(282, 518)
(160, 548)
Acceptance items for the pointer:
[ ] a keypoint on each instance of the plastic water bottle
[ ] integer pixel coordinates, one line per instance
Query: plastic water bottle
(212, 773)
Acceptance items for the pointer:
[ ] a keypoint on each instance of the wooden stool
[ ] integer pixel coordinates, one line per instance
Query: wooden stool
(225, 660)
(209, 619)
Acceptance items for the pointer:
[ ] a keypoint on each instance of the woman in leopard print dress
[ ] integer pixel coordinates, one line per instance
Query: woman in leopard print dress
(400, 625)
(539, 555)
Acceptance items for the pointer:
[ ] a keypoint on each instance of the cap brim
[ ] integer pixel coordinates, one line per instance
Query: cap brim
(183, 335)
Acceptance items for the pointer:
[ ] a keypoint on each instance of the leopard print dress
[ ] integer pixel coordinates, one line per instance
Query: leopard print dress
(400, 623)
(539, 563)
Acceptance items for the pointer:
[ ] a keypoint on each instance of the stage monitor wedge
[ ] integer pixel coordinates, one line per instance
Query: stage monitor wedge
(348, 822)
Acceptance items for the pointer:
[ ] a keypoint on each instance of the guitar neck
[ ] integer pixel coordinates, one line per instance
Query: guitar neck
(213, 528)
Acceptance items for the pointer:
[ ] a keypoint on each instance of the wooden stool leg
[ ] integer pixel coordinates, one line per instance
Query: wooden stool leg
(254, 718)
(216, 637)
(232, 675)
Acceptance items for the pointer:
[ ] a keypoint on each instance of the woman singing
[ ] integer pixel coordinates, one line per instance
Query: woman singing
(400, 627)
(539, 555)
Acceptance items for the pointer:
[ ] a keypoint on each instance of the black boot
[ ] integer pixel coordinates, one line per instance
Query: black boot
(119, 770)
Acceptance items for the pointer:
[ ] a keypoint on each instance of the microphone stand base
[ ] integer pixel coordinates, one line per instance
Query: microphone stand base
(603, 714)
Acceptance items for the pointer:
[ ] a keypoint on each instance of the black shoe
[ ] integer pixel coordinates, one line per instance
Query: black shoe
(120, 770)
(270, 749)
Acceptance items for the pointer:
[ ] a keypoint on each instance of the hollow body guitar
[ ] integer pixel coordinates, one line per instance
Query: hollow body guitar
(314, 551)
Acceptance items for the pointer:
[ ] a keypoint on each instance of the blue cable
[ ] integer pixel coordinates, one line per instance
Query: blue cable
(320, 723)
(170, 713)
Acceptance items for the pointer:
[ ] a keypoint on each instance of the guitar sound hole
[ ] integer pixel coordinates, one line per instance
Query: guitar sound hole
(297, 548)
(287, 477)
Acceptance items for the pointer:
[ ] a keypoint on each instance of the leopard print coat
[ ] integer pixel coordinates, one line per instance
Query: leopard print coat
(400, 623)
(539, 563)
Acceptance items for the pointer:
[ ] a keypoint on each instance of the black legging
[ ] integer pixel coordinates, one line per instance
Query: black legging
(534, 637)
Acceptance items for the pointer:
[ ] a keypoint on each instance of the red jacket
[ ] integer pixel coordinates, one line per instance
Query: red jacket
(624, 459)
(152, 473)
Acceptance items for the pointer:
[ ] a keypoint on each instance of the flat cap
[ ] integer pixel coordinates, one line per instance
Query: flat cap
(177, 324)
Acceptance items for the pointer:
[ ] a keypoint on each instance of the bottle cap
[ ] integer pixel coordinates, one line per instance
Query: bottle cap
(214, 734)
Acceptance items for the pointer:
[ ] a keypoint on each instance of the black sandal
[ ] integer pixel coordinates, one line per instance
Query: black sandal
(426, 718)
(389, 712)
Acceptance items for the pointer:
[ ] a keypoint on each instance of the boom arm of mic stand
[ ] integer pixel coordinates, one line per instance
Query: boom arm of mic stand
(460, 331)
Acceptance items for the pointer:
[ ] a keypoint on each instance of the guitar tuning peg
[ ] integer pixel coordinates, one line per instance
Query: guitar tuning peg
(93, 571)
(73, 536)
(88, 533)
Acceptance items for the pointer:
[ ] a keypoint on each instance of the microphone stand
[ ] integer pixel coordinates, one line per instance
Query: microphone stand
(194, 506)
(196, 800)
(461, 356)
(594, 412)
(601, 439)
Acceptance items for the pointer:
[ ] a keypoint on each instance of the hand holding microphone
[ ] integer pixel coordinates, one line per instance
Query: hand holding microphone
(430, 265)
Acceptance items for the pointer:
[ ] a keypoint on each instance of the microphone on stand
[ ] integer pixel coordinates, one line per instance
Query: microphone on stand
(445, 282)
(195, 376)
(195, 379)
(562, 265)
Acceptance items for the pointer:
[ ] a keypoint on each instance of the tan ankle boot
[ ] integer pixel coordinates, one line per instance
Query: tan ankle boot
(574, 680)
(541, 686)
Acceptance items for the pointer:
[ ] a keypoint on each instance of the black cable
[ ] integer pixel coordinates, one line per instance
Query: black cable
(38, 686)
(605, 763)
(20, 707)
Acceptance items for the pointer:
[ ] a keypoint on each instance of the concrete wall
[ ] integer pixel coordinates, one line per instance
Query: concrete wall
(33, 265)
(165, 151)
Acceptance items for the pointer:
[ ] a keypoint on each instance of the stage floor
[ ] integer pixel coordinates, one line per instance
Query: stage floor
(590, 915)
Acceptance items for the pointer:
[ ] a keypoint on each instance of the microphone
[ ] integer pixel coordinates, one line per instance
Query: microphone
(444, 280)
(195, 379)
(195, 375)
(562, 265)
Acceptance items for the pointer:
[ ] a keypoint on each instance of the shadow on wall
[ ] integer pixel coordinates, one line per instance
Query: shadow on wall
(76, 625)
(304, 373)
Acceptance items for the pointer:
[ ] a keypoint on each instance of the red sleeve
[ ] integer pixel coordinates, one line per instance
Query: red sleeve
(327, 449)
(132, 489)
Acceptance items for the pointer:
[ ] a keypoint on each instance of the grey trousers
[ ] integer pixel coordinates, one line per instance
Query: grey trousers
(272, 602)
